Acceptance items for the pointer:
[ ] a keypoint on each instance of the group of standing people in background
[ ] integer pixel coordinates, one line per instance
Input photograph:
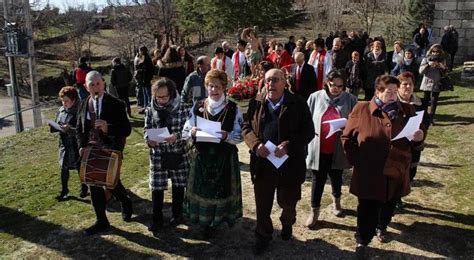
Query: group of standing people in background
(302, 84)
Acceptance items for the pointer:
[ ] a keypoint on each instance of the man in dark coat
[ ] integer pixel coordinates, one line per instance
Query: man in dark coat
(110, 128)
(290, 45)
(339, 55)
(449, 42)
(329, 41)
(421, 42)
(120, 78)
(303, 77)
(282, 118)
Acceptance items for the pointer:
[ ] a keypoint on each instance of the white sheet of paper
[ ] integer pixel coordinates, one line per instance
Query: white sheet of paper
(411, 127)
(208, 126)
(55, 125)
(158, 134)
(335, 125)
(277, 162)
(202, 136)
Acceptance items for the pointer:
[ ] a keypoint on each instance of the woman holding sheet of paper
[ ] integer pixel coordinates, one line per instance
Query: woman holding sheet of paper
(380, 175)
(325, 153)
(214, 191)
(406, 95)
(164, 121)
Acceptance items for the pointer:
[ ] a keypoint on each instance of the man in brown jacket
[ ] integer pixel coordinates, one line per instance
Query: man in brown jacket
(283, 119)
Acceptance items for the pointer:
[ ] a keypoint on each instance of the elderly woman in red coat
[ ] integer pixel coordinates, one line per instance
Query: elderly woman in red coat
(381, 166)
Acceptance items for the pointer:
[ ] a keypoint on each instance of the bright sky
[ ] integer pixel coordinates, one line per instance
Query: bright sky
(62, 4)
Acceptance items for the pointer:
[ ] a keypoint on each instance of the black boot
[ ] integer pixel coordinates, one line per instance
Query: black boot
(64, 189)
(121, 194)
(157, 198)
(177, 206)
(84, 191)
(286, 232)
(98, 201)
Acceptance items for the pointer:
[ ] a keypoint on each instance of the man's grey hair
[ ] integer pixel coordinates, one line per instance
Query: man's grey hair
(224, 43)
(92, 75)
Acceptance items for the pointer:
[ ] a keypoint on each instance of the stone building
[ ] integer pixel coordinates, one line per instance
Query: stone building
(460, 14)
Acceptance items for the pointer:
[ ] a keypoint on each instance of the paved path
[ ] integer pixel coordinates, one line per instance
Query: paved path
(7, 126)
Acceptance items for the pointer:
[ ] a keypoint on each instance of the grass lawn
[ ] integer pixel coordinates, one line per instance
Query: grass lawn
(438, 220)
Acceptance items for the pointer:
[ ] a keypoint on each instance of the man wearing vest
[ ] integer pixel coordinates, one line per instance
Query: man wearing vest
(79, 77)
(222, 62)
(241, 67)
(194, 89)
(278, 116)
(103, 119)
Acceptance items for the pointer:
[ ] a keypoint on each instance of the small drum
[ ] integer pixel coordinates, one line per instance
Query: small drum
(100, 167)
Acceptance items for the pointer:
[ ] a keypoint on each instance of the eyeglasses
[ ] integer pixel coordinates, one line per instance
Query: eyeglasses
(274, 79)
(334, 85)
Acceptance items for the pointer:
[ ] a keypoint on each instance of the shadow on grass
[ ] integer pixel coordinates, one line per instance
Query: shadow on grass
(444, 98)
(428, 145)
(426, 183)
(137, 123)
(443, 166)
(448, 241)
(322, 224)
(87, 201)
(73, 243)
(455, 102)
(450, 216)
(449, 120)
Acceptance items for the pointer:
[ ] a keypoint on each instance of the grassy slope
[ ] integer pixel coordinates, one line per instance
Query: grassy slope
(438, 220)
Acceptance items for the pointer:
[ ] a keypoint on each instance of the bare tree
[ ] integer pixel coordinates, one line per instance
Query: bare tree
(394, 26)
(78, 23)
(365, 10)
(145, 18)
(327, 14)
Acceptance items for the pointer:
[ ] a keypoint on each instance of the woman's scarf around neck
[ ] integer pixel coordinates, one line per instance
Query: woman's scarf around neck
(407, 61)
(214, 107)
(332, 100)
(391, 109)
(160, 112)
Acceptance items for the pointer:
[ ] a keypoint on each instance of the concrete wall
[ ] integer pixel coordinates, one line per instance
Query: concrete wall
(460, 14)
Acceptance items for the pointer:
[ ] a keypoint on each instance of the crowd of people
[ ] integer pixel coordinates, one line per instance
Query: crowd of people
(301, 85)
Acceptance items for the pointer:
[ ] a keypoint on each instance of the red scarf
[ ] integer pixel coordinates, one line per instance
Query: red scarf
(237, 64)
(214, 64)
(297, 76)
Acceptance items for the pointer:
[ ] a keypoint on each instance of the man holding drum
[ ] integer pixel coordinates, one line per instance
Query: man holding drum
(102, 124)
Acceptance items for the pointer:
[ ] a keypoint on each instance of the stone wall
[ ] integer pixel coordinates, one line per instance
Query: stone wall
(460, 14)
